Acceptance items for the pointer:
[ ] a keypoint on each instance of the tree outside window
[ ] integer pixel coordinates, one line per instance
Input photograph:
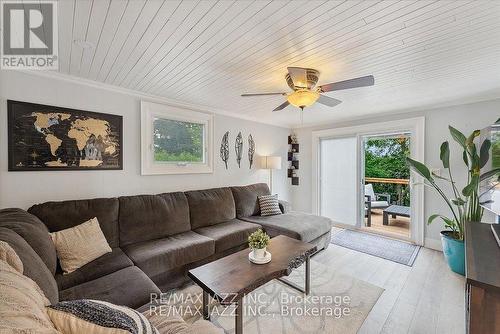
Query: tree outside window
(177, 141)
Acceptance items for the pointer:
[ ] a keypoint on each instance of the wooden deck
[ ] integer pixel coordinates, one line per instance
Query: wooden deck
(398, 227)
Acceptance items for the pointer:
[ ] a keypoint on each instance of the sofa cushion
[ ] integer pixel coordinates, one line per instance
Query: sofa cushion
(106, 264)
(33, 231)
(323, 241)
(246, 199)
(379, 204)
(149, 217)
(210, 206)
(33, 266)
(297, 225)
(62, 215)
(128, 286)
(157, 256)
(230, 234)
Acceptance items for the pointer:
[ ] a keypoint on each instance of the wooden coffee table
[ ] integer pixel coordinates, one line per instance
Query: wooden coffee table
(230, 278)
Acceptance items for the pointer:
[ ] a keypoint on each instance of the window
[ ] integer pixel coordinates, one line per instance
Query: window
(175, 140)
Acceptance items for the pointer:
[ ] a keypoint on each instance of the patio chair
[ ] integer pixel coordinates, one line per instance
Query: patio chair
(368, 211)
(374, 199)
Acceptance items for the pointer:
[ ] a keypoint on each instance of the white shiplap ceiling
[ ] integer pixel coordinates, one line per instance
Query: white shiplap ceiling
(422, 53)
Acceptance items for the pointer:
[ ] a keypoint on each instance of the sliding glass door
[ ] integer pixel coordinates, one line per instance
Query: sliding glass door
(358, 167)
(339, 181)
(370, 159)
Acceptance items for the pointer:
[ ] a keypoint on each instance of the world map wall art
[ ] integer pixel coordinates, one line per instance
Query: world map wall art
(52, 138)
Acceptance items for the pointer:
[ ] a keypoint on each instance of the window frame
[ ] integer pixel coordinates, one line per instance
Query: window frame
(151, 111)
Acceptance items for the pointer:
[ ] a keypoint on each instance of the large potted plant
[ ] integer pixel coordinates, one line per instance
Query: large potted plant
(463, 203)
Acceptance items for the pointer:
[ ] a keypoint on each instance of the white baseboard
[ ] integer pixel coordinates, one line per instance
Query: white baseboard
(433, 244)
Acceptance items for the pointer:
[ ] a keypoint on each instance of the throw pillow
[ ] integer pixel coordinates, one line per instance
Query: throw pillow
(22, 308)
(269, 205)
(8, 255)
(85, 316)
(79, 245)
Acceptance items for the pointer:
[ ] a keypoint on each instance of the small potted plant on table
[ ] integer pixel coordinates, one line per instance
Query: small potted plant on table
(258, 242)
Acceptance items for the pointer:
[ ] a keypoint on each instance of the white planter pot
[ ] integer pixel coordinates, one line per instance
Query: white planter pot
(259, 253)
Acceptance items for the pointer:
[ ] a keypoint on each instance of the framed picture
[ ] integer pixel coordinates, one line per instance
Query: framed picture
(42, 137)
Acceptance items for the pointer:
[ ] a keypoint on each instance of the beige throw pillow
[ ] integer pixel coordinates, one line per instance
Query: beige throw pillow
(22, 304)
(8, 254)
(79, 245)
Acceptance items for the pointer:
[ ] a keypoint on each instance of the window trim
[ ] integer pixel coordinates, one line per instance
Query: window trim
(150, 111)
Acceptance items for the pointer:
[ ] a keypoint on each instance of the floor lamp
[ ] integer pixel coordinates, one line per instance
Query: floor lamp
(270, 162)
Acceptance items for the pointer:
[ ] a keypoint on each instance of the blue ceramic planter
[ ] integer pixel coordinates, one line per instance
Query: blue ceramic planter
(454, 252)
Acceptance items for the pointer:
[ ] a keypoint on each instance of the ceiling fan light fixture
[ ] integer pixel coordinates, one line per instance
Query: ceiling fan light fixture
(303, 98)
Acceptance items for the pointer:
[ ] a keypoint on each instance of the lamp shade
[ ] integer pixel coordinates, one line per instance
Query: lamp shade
(303, 98)
(269, 162)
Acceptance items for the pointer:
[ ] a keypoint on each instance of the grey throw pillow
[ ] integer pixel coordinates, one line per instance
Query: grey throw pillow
(96, 316)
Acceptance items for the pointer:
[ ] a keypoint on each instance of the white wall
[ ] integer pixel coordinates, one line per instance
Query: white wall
(23, 189)
(466, 118)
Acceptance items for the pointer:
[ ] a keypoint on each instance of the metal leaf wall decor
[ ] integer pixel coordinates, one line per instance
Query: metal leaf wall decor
(238, 147)
(251, 150)
(224, 148)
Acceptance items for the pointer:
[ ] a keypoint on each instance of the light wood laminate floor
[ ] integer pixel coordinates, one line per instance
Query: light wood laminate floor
(426, 298)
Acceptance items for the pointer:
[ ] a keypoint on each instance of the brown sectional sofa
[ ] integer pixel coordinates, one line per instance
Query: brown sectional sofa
(155, 239)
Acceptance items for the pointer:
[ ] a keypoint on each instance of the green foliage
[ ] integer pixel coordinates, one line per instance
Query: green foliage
(178, 141)
(421, 169)
(162, 155)
(445, 154)
(385, 158)
(495, 150)
(458, 136)
(258, 239)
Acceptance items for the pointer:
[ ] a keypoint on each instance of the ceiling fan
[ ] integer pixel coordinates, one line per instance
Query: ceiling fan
(303, 80)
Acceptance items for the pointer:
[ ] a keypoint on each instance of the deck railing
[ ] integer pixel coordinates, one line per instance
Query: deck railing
(400, 184)
(386, 180)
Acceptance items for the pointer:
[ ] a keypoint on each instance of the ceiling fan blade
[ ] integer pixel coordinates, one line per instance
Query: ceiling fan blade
(262, 94)
(369, 80)
(328, 101)
(299, 76)
(282, 106)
